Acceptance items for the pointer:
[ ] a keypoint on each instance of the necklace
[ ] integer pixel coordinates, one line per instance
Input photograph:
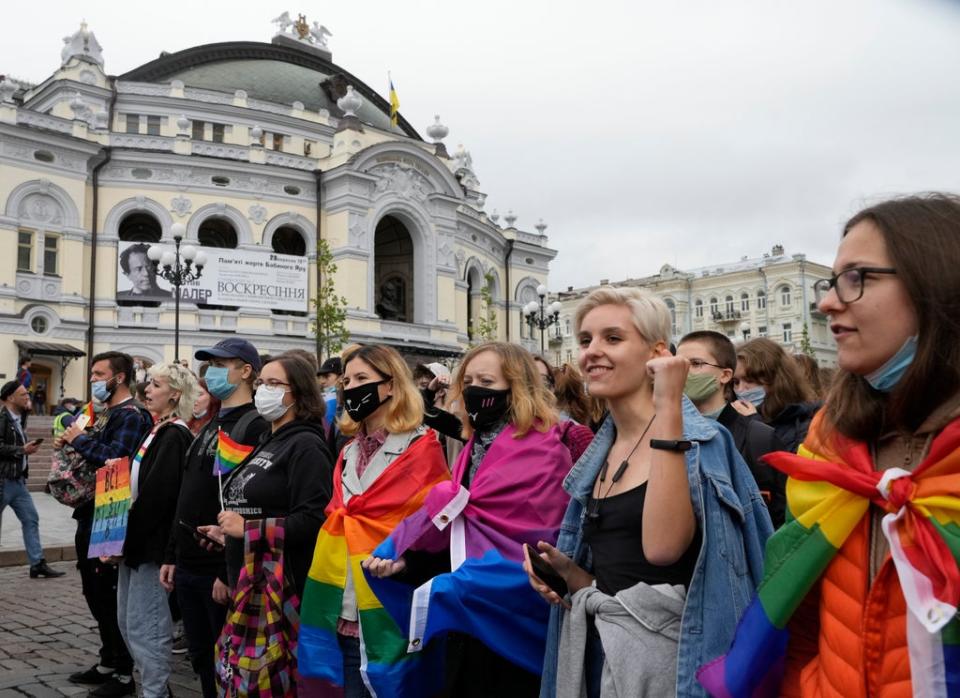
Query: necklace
(594, 511)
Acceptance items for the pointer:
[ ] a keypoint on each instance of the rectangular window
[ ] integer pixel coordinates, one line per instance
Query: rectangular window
(746, 335)
(198, 130)
(278, 141)
(744, 304)
(787, 333)
(51, 249)
(218, 130)
(24, 251)
(133, 123)
(153, 125)
(762, 331)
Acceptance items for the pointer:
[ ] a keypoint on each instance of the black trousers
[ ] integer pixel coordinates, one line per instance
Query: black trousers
(100, 590)
(203, 620)
(475, 671)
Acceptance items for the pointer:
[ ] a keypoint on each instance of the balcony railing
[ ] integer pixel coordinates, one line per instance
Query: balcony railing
(727, 316)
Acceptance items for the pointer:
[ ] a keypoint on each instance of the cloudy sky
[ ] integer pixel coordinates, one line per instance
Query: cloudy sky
(643, 133)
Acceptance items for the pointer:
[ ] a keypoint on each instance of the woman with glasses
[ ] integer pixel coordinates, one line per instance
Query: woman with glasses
(770, 382)
(862, 586)
(288, 475)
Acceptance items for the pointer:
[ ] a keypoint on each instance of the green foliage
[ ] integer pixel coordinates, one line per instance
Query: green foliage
(805, 345)
(330, 322)
(485, 326)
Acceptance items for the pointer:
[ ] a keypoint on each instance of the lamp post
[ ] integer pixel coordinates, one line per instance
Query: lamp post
(179, 267)
(538, 317)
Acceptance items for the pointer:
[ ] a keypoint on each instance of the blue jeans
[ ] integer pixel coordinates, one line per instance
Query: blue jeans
(203, 620)
(353, 686)
(16, 496)
(143, 615)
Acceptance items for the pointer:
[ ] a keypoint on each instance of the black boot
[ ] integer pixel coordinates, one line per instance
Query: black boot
(42, 569)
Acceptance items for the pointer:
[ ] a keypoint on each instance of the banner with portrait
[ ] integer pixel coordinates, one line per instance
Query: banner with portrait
(243, 278)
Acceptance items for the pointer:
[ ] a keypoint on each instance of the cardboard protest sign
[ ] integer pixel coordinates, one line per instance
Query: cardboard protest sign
(111, 508)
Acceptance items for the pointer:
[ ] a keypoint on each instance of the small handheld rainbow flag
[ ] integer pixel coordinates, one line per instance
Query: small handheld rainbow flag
(229, 453)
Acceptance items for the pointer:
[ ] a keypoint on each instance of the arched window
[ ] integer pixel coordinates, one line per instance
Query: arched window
(785, 296)
(288, 240)
(140, 227)
(728, 303)
(672, 307)
(393, 271)
(714, 306)
(698, 308)
(761, 300)
(744, 302)
(217, 232)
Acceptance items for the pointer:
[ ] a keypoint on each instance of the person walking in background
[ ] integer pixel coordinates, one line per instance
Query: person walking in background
(116, 434)
(25, 378)
(143, 611)
(15, 451)
(862, 585)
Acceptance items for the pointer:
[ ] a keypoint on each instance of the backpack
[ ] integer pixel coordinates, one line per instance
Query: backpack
(256, 653)
(73, 481)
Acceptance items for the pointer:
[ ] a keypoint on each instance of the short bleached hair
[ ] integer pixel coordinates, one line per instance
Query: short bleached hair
(651, 316)
(182, 380)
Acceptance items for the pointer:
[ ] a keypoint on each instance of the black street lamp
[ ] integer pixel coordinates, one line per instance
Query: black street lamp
(179, 267)
(538, 317)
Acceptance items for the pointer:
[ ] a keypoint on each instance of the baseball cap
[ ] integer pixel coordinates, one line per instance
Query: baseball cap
(231, 349)
(331, 365)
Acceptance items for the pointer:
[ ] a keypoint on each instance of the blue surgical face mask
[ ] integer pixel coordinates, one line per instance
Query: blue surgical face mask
(754, 396)
(217, 383)
(102, 390)
(887, 376)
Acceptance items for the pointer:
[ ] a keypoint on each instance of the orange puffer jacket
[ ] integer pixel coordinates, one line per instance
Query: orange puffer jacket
(850, 639)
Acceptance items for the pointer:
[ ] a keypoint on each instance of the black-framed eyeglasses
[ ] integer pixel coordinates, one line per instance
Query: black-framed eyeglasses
(848, 283)
(700, 363)
(271, 384)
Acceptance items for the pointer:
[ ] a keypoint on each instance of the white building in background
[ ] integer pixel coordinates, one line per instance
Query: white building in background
(767, 296)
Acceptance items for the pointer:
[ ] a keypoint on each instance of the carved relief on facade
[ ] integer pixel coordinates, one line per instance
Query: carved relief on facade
(402, 180)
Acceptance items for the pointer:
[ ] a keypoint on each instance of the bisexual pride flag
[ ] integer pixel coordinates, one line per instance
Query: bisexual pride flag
(831, 487)
(229, 453)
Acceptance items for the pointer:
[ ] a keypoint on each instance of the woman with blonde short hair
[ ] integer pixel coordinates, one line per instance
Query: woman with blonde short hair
(155, 471)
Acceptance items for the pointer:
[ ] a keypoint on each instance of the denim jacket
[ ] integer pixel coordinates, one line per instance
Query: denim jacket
(734, 524)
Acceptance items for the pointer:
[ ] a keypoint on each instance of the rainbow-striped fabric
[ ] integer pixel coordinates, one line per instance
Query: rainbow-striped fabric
(230, 454)
(831, 487)
(349, 534)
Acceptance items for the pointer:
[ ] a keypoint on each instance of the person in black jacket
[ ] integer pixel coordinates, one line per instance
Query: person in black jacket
(143, 612)
(713, 362)
(117, 433)
(199, 575)
(777, 388)
(289, 475)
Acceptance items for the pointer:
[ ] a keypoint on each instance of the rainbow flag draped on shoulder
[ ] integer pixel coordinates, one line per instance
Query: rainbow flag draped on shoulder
(516, 497)
(348, 536)
(832, 484)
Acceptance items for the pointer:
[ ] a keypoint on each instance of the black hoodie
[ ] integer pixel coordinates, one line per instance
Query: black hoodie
(289, 475)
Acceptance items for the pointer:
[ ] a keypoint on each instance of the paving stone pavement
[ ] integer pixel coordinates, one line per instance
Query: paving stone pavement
(47, 633)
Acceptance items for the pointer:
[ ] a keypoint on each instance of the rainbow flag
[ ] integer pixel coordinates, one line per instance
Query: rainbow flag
(830, 490)
(349, 534)
(394, 103)
(230, 454)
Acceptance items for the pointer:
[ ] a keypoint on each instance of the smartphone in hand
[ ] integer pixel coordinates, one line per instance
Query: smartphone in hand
(199, 535)
(37, 442)
(545, 572)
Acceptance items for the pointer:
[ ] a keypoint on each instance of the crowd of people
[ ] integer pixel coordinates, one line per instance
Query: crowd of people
(708, 518)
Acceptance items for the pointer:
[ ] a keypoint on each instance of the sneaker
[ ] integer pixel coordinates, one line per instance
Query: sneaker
(92, 676)
(114, 687)
(180, 645)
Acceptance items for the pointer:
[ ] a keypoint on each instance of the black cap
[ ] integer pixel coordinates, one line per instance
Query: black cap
(331, 365)
(231, 349)
(8, 389)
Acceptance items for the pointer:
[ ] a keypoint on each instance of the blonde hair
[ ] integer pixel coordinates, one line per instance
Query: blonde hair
(651, 316)
(182, 380)
(531, 404)
(405, 406)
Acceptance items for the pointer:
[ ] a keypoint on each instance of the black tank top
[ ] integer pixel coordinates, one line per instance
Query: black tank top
(615, 539)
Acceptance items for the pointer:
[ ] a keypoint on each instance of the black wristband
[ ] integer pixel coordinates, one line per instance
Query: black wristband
(670, 445)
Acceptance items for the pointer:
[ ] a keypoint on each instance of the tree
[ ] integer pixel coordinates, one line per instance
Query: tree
(805, 345)
(485, 326)
(329, 325)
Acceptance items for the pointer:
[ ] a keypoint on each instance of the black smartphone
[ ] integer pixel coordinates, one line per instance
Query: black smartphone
(37, 441)
(199, 534)
(545, 572)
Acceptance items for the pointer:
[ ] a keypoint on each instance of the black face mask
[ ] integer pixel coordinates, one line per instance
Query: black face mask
(485, 406)
(362, 401)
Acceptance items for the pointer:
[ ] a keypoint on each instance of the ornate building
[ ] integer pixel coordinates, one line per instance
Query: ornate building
(767, 296)
(257, 148)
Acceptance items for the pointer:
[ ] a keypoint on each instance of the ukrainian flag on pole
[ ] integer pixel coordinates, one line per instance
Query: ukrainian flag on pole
(394, 102)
